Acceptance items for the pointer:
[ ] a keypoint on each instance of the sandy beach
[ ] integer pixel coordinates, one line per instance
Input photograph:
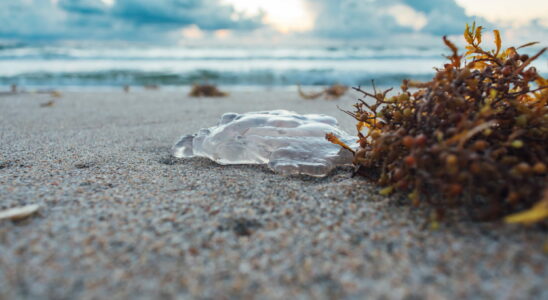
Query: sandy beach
(120, 218)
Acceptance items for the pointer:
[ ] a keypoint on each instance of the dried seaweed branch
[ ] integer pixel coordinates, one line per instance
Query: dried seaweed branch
(333, 92)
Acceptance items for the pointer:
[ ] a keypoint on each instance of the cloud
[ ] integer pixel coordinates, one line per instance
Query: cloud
(444, 17)
(378, 18)
(124, 19)
(535, 30)
(29, 19)
(171, 20)
(83, 6)
(353, 18)
(206, 14)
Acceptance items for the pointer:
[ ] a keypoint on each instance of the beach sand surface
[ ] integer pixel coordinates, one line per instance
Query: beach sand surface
(120, 218)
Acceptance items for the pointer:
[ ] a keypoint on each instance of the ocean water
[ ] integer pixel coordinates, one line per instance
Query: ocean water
(104, 66)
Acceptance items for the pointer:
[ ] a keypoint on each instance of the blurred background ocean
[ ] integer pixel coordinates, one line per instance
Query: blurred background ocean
(101, 66)
(240, 43)
(129, 65)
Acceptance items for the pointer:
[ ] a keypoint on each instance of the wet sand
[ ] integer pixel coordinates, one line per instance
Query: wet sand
(120, 218)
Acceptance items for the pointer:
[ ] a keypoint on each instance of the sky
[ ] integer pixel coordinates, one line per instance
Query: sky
(178, 21)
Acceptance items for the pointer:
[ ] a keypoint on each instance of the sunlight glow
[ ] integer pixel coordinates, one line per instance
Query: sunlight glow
(222, 33)
(284, 16)
(512, 12)
(192, 32)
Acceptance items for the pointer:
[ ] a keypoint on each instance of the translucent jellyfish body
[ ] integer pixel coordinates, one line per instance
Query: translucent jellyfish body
(288, 143)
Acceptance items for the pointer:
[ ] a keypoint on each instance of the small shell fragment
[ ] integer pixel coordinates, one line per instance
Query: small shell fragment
(19, 213)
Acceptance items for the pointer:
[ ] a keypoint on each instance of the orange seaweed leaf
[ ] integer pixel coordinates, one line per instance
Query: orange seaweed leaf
(498, 41)
(335, 140)
(467, 35)
(535, 214)
(361, 125)
(478, 34)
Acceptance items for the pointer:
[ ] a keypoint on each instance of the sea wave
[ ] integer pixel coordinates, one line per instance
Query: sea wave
(210, 53)
(111, 66)
(256, 77)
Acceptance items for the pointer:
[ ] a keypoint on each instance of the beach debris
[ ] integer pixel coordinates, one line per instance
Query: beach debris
(126, 88)
(151, 87)
(240, 226)
(476, 134)
(332, 92)
(14, 88)
(55, 94)
(50, 103)
(287, 142)
(206, 90)
(19, 213)
(83, 165)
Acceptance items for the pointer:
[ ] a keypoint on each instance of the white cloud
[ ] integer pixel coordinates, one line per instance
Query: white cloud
(407, 16)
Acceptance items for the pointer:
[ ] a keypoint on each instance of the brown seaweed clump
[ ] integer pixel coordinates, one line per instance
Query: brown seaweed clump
(206, 90)
(331, 93)
(475, 135)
